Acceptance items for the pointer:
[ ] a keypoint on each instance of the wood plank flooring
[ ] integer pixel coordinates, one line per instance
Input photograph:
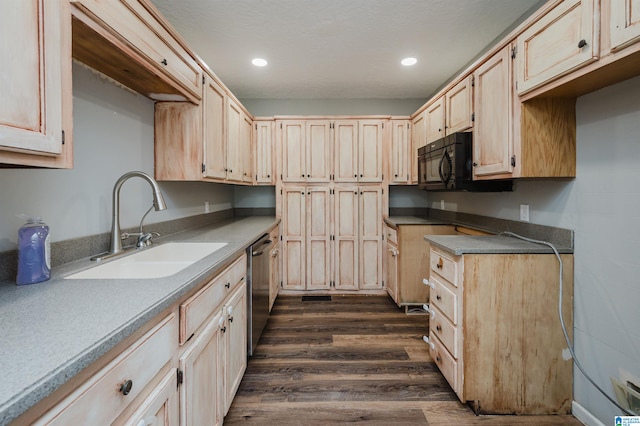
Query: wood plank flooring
(351, 359)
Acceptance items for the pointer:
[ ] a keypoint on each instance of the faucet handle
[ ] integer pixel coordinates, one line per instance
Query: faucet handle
(146, 239)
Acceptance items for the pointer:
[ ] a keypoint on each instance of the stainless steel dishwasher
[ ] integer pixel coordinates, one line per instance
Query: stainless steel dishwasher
(257, 290)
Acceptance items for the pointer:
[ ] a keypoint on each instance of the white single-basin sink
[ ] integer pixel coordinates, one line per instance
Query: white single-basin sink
(155, 262)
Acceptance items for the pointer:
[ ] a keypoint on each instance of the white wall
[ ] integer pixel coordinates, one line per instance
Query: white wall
(113, 134)
(602, 206)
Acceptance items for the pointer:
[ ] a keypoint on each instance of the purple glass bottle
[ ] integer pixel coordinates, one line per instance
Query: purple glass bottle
(34, 256)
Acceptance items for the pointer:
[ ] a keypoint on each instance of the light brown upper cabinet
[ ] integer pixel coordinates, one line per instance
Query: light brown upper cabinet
(418, 140)
(213, 119)
(358, 150)
(513, 139)
(435, 120)
(145, 53)
(624, 22)
(400, 158)
(239, 126)
(264, 150)
(211, 141)
(306, 150)
(451, 112)
(492, 134)
(564, 39)
(35, 91)
(459, 106)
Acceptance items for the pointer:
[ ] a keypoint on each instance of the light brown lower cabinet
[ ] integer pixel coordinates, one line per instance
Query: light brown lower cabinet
(183, 370)
(332, 237)
(495, 332)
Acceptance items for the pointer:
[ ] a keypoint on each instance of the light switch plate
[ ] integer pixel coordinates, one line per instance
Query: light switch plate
(524, 212)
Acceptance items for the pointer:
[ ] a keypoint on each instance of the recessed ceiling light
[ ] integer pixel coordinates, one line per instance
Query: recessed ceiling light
(259, 62)
(407, 62)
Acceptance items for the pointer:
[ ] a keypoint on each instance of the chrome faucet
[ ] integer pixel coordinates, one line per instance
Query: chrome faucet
(158, 204)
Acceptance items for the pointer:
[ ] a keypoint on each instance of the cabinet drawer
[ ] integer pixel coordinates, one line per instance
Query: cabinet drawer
(392, 235)
(195, 310)
(445, 362)
(446, 332)
(444, 266)
(444, 299)
(136, 23)
(100, 399)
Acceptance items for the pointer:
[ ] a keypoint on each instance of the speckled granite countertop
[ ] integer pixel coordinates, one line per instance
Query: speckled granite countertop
(50, 331)
(490, 244)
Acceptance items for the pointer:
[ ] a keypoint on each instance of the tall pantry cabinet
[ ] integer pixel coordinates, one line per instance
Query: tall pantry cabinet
(330, 196)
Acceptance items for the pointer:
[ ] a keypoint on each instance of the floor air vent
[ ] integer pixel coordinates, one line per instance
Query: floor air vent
(316, 298)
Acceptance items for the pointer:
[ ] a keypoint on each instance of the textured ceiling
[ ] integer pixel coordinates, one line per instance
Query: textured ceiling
(339, 48)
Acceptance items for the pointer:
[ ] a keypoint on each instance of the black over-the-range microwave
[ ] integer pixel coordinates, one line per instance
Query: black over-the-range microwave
(446, 165)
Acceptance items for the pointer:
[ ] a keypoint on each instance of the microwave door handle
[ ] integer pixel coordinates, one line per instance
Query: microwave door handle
(445, 177)
(440, 168)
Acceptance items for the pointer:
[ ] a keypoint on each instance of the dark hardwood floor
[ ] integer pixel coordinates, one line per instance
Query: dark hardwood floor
(351, 359)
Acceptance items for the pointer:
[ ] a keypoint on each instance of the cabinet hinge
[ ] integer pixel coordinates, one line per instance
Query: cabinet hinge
(281, 125)
(473, 81)
(513, 161)
(180, 376)
(473, 117)
(281, 284)
(280, 237)
(514, 52)
(383, 125)
(280, 176)
(281, 192)
(407, 125)
(204, 80)
(256, 126)
(63, 137)
(203, 168)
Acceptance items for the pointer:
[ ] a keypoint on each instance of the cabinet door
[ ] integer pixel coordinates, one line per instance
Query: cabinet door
(346, 151)
(400, 150)
(293, 140)
(492, 133)
(293, 238)
(235, 311)
(418, 140)
(215, 146)
(459, 107)
(234, 143)
(370, 150)
(263, 137)
(36, 49)
(318, 238)
(625, 22)
(246, 148)
(561, 41)
(370, 214)
(318, 151)
(391, 278)
(435, 120)
(160, 408)
(202, 366)
(346, 242)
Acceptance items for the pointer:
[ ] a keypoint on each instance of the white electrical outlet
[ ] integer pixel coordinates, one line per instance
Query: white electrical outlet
(206, 207)
(524, 212)
(441, 204)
